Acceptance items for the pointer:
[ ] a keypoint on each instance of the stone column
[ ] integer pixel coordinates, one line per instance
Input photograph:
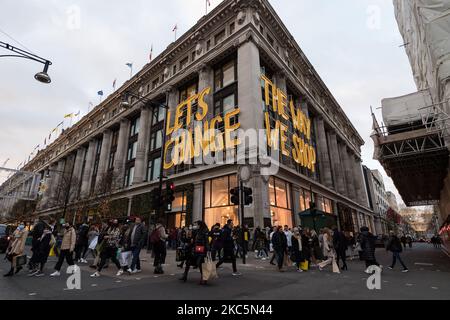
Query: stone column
(130, 201)
(49, 183)
(77, 172)
(197, 208)
(359, 183)
(142, 147)
(104, 157)
(87, 174)
(324, 158)
(348, 165)
(249, 87)
(121, 153)
(56, 183)
(206, 80)
(338, 171)
(296, 203)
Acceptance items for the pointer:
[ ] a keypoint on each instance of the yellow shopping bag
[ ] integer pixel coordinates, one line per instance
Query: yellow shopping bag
(52, 252)
(304, 265)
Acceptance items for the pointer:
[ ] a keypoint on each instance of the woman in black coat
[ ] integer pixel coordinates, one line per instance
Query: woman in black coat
(367, 242)
(297, 249)
(43, 251)
(199, 249)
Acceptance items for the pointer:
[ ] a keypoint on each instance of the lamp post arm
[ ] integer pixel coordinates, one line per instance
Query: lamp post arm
(23, 54)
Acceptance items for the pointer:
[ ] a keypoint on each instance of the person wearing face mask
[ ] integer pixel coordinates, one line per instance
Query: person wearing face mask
(112, 239)
(46, 242)
(16, 249)
(199, 249)
(67, 249)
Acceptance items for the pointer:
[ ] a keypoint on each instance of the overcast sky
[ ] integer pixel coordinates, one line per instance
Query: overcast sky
(353, 44)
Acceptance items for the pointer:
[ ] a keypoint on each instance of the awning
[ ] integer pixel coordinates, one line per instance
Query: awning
(317, 219)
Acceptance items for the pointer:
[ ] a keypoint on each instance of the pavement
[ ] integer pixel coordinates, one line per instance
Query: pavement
(429, 279)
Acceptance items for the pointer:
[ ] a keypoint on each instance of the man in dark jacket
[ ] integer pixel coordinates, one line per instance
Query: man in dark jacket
(82, 242)
(340, 244)
(395, 246)
(279, 242)
(228, 247)
(138, 236)
(216, 241)
(367, 241)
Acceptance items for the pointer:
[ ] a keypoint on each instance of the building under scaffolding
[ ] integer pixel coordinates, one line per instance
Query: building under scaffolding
(411, 147)
(413, 142)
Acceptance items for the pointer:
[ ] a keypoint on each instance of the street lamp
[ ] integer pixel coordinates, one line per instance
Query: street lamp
(19, 53)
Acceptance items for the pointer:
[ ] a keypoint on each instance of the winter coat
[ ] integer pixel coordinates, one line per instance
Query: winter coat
(394, 244)
(138, 239)
(227, 238)
(216, 238)
(367, 241)
(297, 249)
(82, 235)
(328, 249)
(340, 242)
(44, 246)
(18, 245)
(279, 241)
(306, 247)
(69, 239)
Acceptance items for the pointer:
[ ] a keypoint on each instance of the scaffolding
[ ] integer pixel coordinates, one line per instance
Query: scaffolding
(416, 155)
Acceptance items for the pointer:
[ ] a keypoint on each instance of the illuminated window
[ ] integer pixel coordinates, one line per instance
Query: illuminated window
(218, 206)
(280, 203)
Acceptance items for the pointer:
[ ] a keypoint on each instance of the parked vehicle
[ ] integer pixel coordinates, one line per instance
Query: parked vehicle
(4, 237)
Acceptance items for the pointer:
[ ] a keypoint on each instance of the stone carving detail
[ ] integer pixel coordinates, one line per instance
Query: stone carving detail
(166, 72)
(256, 18)
(198, 49)
(241, 17)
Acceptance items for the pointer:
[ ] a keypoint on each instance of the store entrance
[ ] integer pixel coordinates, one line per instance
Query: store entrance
(176, 220)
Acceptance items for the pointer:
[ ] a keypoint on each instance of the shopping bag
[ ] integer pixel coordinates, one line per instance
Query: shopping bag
(125, 258)
(52, 252)
(181, 254)
(304, 265)
(335, 267)
(286, 260)
(209, 269)
(21, 260)
(93, 243)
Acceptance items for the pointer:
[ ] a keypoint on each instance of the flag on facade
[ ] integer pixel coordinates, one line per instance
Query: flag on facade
(114, 84)
(130, 65)
(175, 30)
(77, 114)
(151, 53)
(70, 115)
(45, 141)
(100, 93)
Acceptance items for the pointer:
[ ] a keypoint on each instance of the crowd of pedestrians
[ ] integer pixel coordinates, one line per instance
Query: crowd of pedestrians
(120, 244)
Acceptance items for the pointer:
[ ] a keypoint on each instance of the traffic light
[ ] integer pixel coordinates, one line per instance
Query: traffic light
(234, 196)
(248, 199)
(170, 195)
(155, 198)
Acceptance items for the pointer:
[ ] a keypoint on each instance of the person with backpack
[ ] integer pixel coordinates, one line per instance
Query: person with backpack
(158, 239)
(47, 241)
(395, 246)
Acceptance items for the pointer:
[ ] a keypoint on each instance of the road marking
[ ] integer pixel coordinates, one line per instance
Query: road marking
(138, 279)
(409, 284)
(32, 294)
(423, 264)
(93, 285)
(118, 281)
(435, 288)
(172, 274)
(385, 281)
(155, 276)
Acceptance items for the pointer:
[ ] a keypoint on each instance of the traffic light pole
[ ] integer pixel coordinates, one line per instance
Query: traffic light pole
(242, 206)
